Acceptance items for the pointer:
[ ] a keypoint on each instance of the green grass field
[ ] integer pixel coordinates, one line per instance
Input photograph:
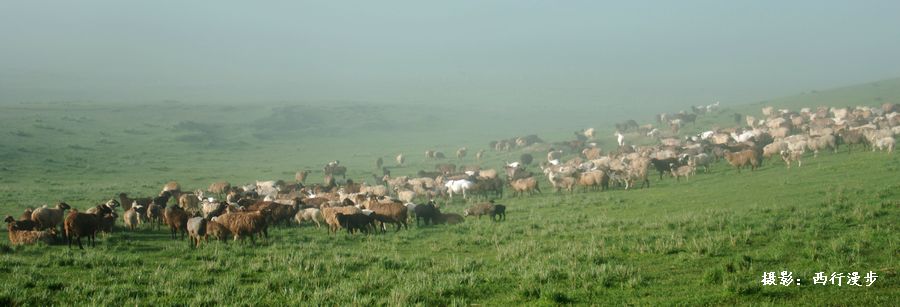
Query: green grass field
(706, 241)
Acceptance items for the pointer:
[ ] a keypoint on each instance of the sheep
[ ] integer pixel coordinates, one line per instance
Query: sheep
(594, 179)
(495, 211)
(356, 221)
(427, 212)
(664, 165)
(49, 217)
(479, 155)
(406, 195)
(400, 159)
(561, 182)
(682, 171)
(243, 224)
(189, 202)
(329, 214)
(196, 228)
(155, 214)
(280, 213)
(309, 214)
(743, 158)
(792, 155)
(698, 160)
(19, 236)
(220, 187)
(523, 185)
(126, 201)
(885, 143)
(439, 155)
(78, 225)
(774, 149)
(461, 152)
(131, 217)
(21, 224)
(822, 142)
(388, 212)
(449, 218)
(176, 218)
(853, 137)
(216, 230)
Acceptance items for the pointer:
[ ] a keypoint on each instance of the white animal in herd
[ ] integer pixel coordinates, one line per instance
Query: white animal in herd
(458, 187)
(620, 139)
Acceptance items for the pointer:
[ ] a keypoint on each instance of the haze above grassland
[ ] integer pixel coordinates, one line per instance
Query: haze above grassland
(578, 62)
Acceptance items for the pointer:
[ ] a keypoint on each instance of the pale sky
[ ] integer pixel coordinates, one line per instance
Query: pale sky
(469, 52)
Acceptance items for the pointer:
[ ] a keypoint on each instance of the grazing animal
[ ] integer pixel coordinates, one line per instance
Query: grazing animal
(742, 159)
(479, 155)
(495, 211)
(20, 236)
(46, 218)
(427, 212)
(309, 214)
(458, 186)
(196, 228)
(525, 185)
(216, 230)
(131, 217)
(330, 216)
(400, 159)
(177, 219)
(155, 214)
(245, 224)
(78, 225)
(388, 212)
(21, 224)
(220, 187)
(664, 165)
(356, 221)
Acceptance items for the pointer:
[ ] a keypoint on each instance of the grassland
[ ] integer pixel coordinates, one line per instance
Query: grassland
(706, 241)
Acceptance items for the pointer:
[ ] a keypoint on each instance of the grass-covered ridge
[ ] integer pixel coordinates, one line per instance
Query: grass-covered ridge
(704, 241)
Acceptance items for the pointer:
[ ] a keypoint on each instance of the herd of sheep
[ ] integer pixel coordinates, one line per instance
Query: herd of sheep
(224, 211)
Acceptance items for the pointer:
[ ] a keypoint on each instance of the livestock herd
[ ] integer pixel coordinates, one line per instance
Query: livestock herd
(224, 211)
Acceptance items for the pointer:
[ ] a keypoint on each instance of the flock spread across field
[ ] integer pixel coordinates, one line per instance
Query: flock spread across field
(224, 211)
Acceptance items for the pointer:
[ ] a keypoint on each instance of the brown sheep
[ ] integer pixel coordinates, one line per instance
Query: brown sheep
(127, 202)
(78, 225)
(853, 137)
(220, 187)
(393, 212)
(244, 224)
(19, 236)
(743, 158)
(155, 215)
(329, 213)
(177, 219)
(217, 231)
(561, 182)
(446, 168)
(497, 212)
(523, 185)
(594, 180)
(49, 217)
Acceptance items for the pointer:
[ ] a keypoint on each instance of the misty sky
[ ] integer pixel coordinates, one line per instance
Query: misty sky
(467, 52)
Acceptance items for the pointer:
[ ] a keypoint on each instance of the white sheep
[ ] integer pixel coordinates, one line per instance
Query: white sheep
(886, 143)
